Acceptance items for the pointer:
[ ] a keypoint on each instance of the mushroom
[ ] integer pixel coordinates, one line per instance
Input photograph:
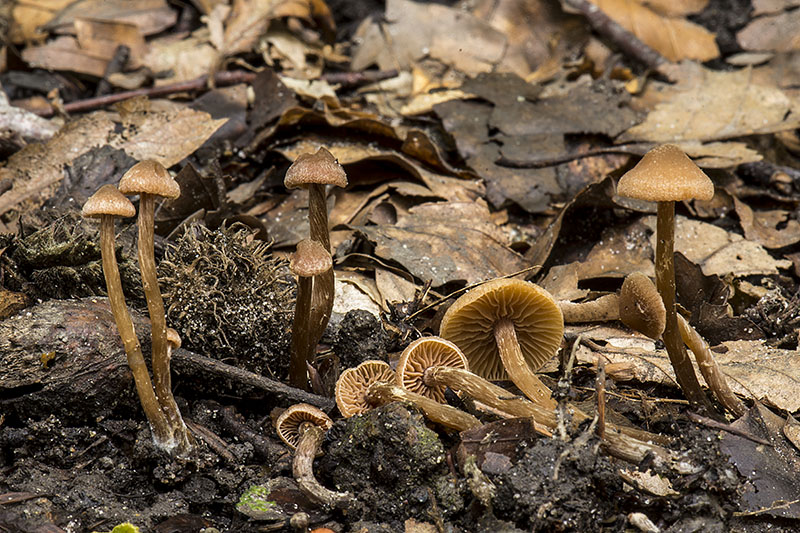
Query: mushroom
(314, 172)
(601, 309)
(310, 262)
(149, 179)
(106, 204)
(371, 384)
(507, 326)
(302, 427)
(666, 175)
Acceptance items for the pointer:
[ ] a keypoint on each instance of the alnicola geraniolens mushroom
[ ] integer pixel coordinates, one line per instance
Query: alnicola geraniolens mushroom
(302, 427)
(666, 175)
(314, 172)
(107, 204)
(310, 262)
(149, 179)
(507, 327)
(372, 383)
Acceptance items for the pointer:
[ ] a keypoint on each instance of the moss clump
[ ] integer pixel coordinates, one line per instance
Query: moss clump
(127, 527)
(229, 298)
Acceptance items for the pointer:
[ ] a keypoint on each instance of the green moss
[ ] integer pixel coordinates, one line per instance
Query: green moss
(256, 504)
(127, 527)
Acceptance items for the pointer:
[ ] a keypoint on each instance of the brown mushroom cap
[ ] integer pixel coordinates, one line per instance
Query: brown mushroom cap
(289, 423)
(173, 338)
(537, 318)
(666, 174)
(353, 383)
(641, 307)
(319, 168)
(149, 177)
(310, 259)
(107, 200)
(425, 353)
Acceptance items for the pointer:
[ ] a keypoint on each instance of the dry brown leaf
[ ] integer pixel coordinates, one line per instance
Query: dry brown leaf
(708, 105)
(776, 33)
(416, 30)
(64, 53)
(675, 38)
(151, 16)
(761, 7)
(100, 38)
(185, 58)
(771, 229)
(393, 287)
(718, 251)
(28, 17)
(444, 242)
(676, 8)
(772, 375)
(728, 154)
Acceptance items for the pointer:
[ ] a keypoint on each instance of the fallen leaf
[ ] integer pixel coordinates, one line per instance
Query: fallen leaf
(394, 287)
(708, 105)
(100, 38)
(26, 125)
(761, 7)
(151, 16)
(445, 242)
(676, 8)
(28, 18)
(770, 228)
(674, 38)
(776, 33)
(184, 58)
(65, 53)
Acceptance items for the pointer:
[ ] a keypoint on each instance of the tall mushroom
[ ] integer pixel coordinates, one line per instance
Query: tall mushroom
(666, 175)
(107, 204)
(302, 427)
(314, 172)
(309, 263)
(507, 326)
(150, 179)
(371, 384)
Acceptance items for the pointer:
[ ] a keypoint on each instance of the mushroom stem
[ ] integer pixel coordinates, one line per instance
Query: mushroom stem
(302, 349)
(599, 310)
(709, 368)
(518, 370)
(665, 282)
(448, 416)
(322, 304)
(303, 469)
(162, 434)
(155, 307)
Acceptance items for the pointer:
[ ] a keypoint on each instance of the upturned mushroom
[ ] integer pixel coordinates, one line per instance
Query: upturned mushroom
(314, 172)
(302, 427)
(371, 384)
(107, 204)
(666, 175)
(149, 179)
(309, 263)
(507, 327)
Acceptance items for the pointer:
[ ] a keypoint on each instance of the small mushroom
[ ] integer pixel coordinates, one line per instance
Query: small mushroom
(150, 179)
(302, 427)
(309, 263)
(371, 384)
(666, 175)
(641, 307)
(507, 326)
(107, 204)
(314, 172)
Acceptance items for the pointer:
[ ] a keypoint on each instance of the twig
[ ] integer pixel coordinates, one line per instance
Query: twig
(187, 361)
(777, 504)
(117, 64)
(634, 149)
(709, 422)
(600, 387)
(627, 42)
(232, 422)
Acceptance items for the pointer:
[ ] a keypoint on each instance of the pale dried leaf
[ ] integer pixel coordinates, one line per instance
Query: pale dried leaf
(675, 38)
(65, 53)
(423, 103)
(728, 154)
(151, 16)
(776, 33)
(708, 105)
(761, 7)
(393, 287)
(27, 125)
(28, 18)
(354, 291)
(769, 228)
(101, 38)
(315, 89)
(676, 8)
(444, 242)
(185, 58)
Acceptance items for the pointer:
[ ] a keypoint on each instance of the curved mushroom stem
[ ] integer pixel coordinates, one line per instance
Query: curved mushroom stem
(518, 370)
(446, 415)
(162, 435)
(155, 307)
(599, 310)
(322, 300)
(302, 342)
(665, 282)
(303, 469)
(709, 368)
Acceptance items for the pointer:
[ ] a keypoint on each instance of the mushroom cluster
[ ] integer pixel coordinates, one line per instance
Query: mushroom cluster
(148, 179)
(313, 172)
